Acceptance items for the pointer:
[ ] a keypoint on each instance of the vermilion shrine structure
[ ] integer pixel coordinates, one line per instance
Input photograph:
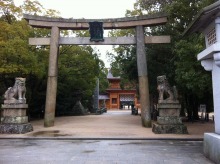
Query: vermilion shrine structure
(117, 97)
(57, 24)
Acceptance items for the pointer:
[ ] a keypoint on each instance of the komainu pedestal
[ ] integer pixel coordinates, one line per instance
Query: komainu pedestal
(14, 119)
(168, 121)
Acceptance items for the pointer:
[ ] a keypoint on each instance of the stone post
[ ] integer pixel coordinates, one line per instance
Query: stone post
(210, 65)
(143, 77)
(210, 60)
(212, 140)
(52, 78)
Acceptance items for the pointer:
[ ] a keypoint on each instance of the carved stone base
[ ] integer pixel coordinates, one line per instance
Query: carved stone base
(14, 101)
(171, 109)
(15, 128)
(169, 120)
(10, 112)
(169, 129)
(15, 120)
(14, 106)
(14, 114)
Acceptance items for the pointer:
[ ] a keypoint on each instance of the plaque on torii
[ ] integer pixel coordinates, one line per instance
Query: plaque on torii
(96, 31)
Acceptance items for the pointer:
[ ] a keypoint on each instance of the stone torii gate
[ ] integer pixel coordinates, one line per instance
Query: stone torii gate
(57, 24)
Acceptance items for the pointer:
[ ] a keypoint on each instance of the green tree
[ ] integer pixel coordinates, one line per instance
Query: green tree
(193, 81)
(78, 70)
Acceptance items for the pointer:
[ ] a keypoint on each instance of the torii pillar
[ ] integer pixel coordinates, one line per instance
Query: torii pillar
(143, 77)
(52, 78)
(208, 22)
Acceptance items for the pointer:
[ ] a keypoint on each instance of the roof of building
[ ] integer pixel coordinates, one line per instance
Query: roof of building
(103, 97)
(110, 76)
(204, 18)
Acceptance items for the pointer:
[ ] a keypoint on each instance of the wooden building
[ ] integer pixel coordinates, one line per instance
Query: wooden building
(117, 98)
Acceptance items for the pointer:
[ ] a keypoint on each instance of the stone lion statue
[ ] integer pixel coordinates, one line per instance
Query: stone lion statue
(164, 88)
(17, 92)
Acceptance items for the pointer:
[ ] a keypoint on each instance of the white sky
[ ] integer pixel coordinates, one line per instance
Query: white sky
(93, 9)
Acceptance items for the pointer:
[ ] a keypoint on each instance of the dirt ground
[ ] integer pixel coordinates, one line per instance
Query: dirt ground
(115, 124)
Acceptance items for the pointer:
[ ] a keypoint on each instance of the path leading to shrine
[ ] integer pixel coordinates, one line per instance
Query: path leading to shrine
(115, 124)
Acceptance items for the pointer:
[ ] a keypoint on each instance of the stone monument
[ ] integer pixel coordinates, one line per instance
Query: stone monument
(13, 114)
(169, 108)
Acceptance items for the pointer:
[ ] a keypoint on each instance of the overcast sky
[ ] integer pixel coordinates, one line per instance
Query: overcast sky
(88, 8)
(93, 9)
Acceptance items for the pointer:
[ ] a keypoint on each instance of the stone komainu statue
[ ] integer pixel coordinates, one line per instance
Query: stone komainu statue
(17, 92)
(164, 88)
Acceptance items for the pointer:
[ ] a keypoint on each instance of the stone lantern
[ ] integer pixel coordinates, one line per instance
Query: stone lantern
(208, 23)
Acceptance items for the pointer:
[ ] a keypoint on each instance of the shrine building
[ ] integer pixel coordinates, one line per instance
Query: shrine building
(116, 97)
